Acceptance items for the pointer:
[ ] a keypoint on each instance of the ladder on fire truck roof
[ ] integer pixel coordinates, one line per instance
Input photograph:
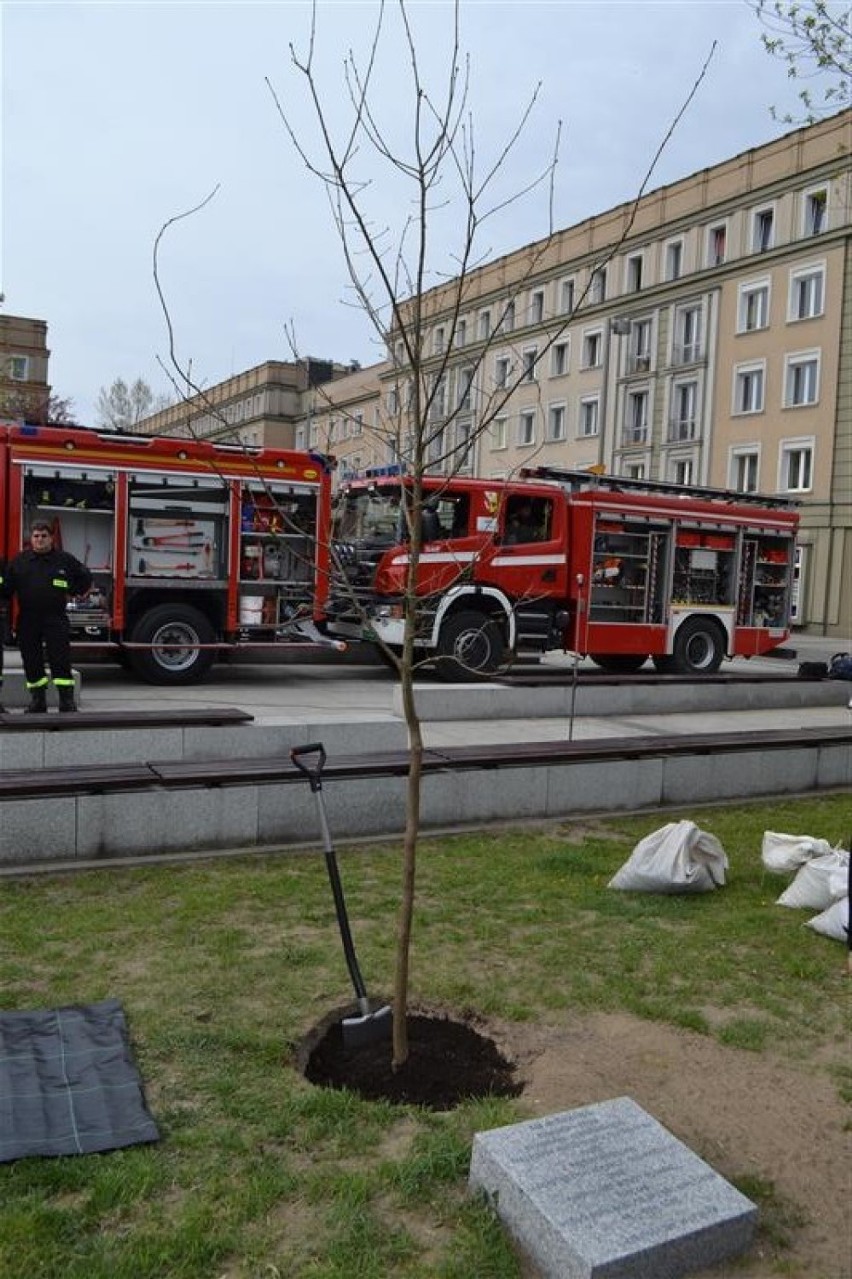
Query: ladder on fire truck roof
(577, 481)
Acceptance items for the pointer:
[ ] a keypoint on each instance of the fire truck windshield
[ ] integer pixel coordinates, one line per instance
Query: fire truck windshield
(368, 515)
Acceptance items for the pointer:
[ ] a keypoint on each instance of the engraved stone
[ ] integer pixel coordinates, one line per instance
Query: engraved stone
(606, 1192)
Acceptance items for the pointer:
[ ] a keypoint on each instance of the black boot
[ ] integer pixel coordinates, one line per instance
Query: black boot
(38, 702)
(66, 699)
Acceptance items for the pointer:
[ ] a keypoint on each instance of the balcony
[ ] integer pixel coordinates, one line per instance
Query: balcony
(687, 353)
(682, 429)
(634, 435)
(639, 364)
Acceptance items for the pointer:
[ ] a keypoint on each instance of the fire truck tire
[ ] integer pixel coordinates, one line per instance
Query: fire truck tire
(699, 647)
(619, 663)
(173, 630)
(470, 646)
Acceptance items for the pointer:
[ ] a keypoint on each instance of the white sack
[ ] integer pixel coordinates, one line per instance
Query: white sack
(819, 882)
(789, 852)
(833, 922)
(678, 858)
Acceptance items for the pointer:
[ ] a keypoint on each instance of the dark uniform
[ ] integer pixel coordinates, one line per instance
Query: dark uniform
(43, 581)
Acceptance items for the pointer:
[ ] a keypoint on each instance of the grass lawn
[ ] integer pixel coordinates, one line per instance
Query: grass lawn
(222, 967)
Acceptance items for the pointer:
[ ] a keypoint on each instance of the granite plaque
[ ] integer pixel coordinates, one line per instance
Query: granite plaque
(606, 1192)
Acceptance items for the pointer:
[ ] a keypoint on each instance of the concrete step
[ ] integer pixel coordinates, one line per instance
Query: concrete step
(15, 695)
(598, 698)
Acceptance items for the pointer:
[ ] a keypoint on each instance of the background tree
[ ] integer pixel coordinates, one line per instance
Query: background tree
(814, 39)
(44, 410)
(421, 158)
(121, 407)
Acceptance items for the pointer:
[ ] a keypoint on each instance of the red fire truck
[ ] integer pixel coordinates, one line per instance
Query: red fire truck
(617, 569)
(198, 550)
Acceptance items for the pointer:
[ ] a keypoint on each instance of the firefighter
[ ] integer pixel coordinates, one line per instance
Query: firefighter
(43, 579)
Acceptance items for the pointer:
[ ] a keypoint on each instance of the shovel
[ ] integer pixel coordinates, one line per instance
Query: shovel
(370, 1027)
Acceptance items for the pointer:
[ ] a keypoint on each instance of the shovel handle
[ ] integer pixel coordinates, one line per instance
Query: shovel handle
(314, 775)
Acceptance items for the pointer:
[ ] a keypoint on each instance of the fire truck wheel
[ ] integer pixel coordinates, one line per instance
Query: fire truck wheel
(619, 663)
(470, 646)
(699, 647)
(174, 631)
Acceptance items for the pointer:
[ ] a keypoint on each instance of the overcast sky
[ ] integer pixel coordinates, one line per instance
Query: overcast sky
(117, 117)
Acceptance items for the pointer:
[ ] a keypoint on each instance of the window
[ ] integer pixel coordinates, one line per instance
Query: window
(674, 260)
(530, 358)
(556, 422)
(753, 307)
(682, 423)
(499, 432)
(537, 306)
(597, 286)
(592, 349)
(566, 297)
(743, 470)
(559, 359)
(640, 346)
(465, 389)
(807, 293)
(796, 470)
(815, 209)
(526, 427)
(332, 430)
(484, 325)
(393, 400)
(717, 238)
(509, 317)
(636, 418)
(439, 342)
(749, 388)
(801, 380)
(687, 345)
(635, 470)
(438, 407)
(357, 423)
(763, 230)
(18, 368)
(681, 471)
(634, 273)
(461, 333)
(501, 372)
(589, 411)
(301, 438)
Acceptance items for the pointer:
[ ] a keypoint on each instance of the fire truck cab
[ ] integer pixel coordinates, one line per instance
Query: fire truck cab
(617, 569)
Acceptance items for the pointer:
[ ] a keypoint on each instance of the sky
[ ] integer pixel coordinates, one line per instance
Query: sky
(117, 117)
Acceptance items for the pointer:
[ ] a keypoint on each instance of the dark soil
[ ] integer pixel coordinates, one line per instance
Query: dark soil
(449, 1061)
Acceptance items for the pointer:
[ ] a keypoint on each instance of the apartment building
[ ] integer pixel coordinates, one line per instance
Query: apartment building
(700, 335)
(24, 357)
(346, 418)
(262, 407)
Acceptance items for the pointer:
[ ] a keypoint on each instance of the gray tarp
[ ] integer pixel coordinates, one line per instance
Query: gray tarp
(69, 1083)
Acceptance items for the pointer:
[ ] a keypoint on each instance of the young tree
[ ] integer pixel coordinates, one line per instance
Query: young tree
(121, 407)
(813, 38)
(410, 287)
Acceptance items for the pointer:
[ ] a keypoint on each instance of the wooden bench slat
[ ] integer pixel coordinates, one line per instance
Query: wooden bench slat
(176, 774)
(191, 717)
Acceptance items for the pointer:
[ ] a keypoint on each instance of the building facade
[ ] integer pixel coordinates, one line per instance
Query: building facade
(24, 357)
(262, 407)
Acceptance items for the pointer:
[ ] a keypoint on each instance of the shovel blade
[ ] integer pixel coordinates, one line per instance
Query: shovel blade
(371, 1028)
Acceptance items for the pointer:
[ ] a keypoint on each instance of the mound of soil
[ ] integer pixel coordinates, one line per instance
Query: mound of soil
(449, 1061)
